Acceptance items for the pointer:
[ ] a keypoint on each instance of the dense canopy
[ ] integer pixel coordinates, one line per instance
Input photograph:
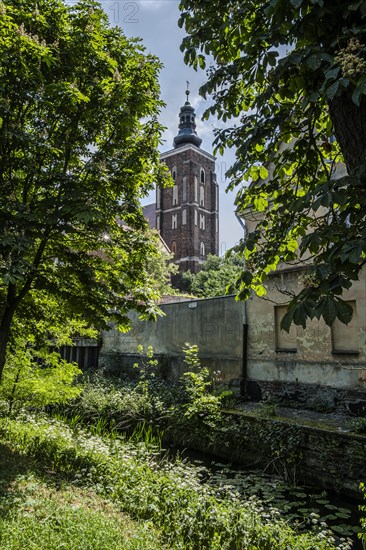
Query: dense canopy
(289, 83)
(78, 149)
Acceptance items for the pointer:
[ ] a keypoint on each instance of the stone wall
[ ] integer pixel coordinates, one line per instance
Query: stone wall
(215, 325)
(311, 455)
(304, 367)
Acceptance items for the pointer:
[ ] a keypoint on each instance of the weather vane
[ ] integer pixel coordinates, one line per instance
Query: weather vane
(187, 90)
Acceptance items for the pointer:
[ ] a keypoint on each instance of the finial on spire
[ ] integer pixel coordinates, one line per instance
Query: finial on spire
(187, 90)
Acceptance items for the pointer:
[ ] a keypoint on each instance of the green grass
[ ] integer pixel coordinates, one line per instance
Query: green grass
(41, 511)
(187, 513)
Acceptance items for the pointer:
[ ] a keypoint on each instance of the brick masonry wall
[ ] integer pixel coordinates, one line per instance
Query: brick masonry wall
(188, 162)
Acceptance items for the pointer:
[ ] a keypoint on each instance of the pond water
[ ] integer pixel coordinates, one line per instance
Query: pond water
(304, 508)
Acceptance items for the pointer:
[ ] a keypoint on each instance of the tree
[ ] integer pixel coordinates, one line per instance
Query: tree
(292, 75)
(160, 266)
(35, 374)
(78, 149)
(216, 278)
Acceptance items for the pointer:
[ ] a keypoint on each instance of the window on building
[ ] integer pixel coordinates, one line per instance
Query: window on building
(203, 176)
(202, 195)
(184, 216)
(175, 194)
(202, 250)
(195, 217)
(174, 173)
(184, 188)
(202, 221)
(195, 189)
(345, 338)
(285, 341)
(173, 247)
(174, 221)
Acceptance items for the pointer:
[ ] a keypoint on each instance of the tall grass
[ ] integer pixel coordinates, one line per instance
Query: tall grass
(187, 512)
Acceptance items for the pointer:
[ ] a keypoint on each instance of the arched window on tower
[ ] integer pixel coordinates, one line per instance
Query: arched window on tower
(202, 195)
(184, 188)
(202, 250)
(174, 221)
(173, 247)
(184, 216)
(175, 194)
(174, 173)
(203, 175)
(195, 189)
(202, 221)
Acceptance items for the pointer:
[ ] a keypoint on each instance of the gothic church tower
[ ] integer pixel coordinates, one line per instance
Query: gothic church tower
(187, 214)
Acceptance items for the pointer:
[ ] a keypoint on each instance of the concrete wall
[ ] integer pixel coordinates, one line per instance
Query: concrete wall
(215, 325)
(305, 361)
(319, 366)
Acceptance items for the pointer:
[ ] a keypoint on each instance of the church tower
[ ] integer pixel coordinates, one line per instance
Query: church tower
(187, 214)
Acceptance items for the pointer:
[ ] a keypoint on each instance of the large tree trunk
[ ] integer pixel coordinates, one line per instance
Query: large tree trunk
(5, 325)
(349, 123)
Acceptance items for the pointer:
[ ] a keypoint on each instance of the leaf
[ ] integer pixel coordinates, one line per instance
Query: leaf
(359, 91)
(263, 172)
(314, 61)
(332, 90)
(328, 309)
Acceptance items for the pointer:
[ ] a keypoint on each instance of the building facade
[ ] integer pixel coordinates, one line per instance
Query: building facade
(187, 215)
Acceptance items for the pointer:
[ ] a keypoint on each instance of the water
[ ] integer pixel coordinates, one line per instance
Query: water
(304, 508)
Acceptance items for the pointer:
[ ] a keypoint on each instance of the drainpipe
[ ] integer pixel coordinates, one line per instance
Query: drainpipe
(244, 365)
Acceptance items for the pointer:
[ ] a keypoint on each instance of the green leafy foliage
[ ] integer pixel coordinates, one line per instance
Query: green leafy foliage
(187, 512)
(79, 149)
(202, 404)
(217, 277)
(288, 78)
(362, 536)
(38, 377)
(160, 267)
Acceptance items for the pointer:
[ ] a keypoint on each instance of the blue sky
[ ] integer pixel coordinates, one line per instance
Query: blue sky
(155, 21)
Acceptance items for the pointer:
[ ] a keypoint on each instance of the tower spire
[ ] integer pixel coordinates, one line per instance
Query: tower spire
(187, 91)
(187, 125)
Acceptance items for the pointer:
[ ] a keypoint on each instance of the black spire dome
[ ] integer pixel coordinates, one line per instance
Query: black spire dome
(187, 125)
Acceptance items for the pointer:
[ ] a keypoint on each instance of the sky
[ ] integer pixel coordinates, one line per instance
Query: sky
(156, 22)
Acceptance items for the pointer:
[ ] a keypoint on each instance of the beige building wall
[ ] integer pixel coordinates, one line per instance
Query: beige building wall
(321, 355)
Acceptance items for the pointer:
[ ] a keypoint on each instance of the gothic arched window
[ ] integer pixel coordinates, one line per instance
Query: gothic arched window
(203, 175)
(184, 188)
(175, 194)
(173, 247)
(202, 249)
(202, 221)
(202, 195)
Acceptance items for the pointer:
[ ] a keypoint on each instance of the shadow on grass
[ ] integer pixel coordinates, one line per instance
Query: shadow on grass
(15, 467)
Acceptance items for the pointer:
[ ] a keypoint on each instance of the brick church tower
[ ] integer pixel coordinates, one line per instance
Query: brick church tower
(187, 214)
